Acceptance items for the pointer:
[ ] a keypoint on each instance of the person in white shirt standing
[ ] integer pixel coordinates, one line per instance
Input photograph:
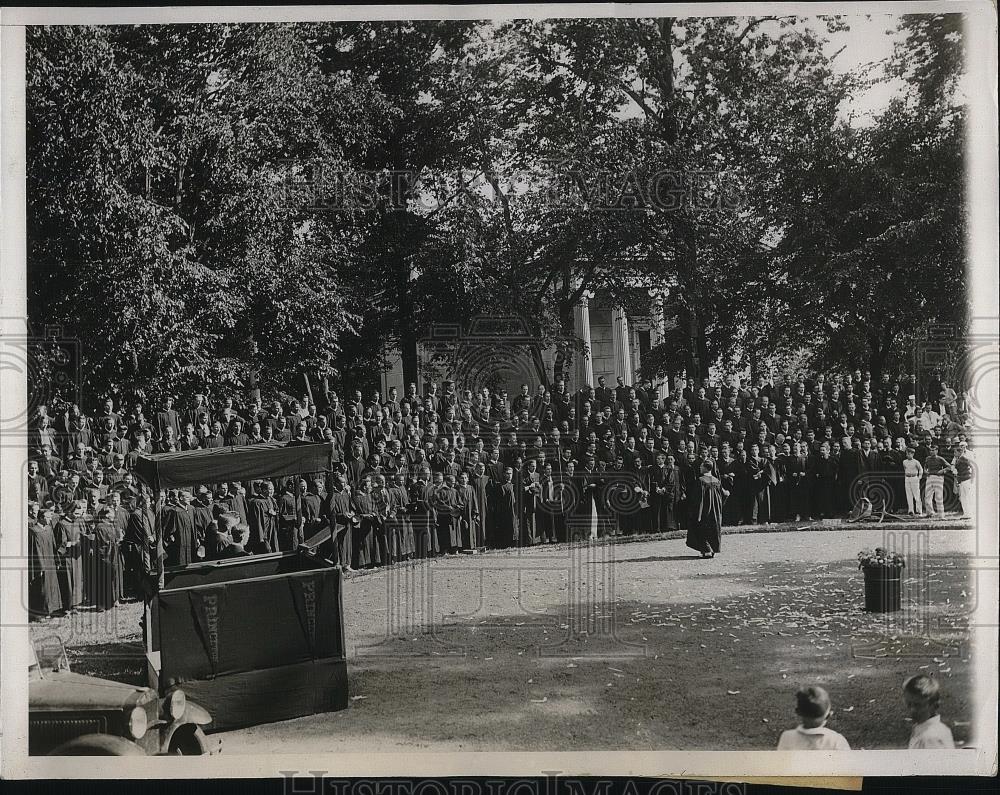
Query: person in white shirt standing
(965, 471)
(812, 705)
(922, 695)
(912, 472)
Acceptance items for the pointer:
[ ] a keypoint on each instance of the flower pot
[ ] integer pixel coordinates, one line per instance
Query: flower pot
(883, 590)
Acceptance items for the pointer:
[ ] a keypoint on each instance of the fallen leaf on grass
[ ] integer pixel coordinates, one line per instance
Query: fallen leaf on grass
(539, 700)
(733, 692)
(848, 709)
(358, 698)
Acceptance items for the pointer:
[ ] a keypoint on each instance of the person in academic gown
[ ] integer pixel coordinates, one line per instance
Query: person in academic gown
(781, 492)
(532, 489)
(666, 487)
(469, 506)
(119, 519)
(743, 485)
(140, 549)
(339, 512)
(262, 510)
(312, 508)
(102, 553)
(891, 480)
(398, 528)
(824, 478)
(705, 534)
(689, 470)
(289, 517)
(503, 525)
(366, 551)
(44, 598)
(800, 480)
(179, 535)
(480, 484)
(849, 467)
(869, 473)
(761, 474)
(69, 535)
(727, 475)
(422, 515)
(383, 528)
(449, 512)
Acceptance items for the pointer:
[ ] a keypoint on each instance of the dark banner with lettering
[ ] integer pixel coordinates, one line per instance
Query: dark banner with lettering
(209, 609)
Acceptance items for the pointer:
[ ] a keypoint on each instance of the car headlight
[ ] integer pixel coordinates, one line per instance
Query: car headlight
(176, 704)
(137, 722)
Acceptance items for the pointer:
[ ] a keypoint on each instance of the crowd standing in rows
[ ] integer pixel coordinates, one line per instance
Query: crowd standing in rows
(460, 470)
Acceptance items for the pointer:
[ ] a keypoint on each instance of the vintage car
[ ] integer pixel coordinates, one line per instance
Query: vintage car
(75, 715)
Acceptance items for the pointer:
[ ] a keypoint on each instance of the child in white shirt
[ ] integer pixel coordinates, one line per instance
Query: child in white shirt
(922, 695)
(812, 705)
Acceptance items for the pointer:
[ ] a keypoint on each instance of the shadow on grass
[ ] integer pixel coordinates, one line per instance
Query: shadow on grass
(707, 675)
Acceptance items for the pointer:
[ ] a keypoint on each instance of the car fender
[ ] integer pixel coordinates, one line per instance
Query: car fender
(195, 713)
(98, 745)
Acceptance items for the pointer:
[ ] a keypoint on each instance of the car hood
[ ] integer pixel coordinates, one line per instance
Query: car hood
(66, 691)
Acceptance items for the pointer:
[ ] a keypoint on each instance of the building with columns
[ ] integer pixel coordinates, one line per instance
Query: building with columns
(610, 342)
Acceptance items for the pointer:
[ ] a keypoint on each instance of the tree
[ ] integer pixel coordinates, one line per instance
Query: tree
(876, 249)
(161, 231)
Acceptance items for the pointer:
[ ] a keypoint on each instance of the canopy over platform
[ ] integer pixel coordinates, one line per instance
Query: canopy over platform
(218, 464)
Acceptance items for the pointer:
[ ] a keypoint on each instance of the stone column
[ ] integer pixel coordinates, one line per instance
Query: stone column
(655, 338)
(584, 370)
(622, 345)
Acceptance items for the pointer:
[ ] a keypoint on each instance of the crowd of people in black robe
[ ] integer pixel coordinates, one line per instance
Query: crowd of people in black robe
(456, 470)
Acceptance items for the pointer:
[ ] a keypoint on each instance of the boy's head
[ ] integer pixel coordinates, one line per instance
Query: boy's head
(812, 704)
(921, 694)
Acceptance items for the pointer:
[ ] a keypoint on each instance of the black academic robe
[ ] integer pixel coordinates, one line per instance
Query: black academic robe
(289, 515)
(338, 512)
(689, 478)
(481, 487)
(386, 545)
(139, 552)
(800, 487)
(731, 508)
(665, 488)
(705, 533)
(424, 520)
(69, 536)
(448, 510)
(531, 490)
(824, 481)
(761, 474)
(398, 525)
(179, 537)
(44, 598)
(502, 526)
(554, 505)
(849, 466)
(262, 513)
(366, 549)
(102, 553)
(469, 507)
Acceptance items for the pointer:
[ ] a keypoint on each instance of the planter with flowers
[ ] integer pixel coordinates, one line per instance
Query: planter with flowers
(883, 579)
